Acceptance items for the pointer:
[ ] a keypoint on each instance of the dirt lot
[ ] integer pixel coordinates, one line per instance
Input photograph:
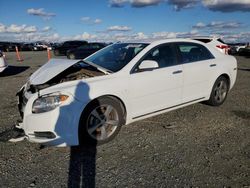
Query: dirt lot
(197, 146)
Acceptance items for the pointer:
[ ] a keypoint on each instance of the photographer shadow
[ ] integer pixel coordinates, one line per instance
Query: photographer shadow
(82, 167)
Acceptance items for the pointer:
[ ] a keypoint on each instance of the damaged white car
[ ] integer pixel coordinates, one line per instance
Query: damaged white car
(72, 102)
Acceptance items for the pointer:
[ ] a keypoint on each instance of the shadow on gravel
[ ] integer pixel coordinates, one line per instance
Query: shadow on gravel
(82, 167)
(13, 70)
(243, 69)
(242, 114)
(10, 133)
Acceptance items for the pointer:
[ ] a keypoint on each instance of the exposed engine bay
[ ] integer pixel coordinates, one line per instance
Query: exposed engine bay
(75, 72)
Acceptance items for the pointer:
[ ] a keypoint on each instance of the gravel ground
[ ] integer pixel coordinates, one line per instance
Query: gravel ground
(196, 146)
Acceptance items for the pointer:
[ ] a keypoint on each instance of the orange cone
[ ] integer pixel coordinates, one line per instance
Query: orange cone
(48, 52)
(18, 55)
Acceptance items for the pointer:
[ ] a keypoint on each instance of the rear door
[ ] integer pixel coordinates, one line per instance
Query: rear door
(198, 64)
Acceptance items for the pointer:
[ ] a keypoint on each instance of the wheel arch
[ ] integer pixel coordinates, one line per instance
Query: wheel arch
(114, 97)
(227, 77)
(122, 104)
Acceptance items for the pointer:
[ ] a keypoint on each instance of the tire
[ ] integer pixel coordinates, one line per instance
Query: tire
(219, 92)
(56, 52)
(93, 127)
(71, 56)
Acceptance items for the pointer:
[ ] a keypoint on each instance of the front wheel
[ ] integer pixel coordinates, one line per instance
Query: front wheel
(219, 92)
(100, 122)
(56, 52)
(71, 56)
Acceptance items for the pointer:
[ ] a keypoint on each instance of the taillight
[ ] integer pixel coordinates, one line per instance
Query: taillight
(222, 46)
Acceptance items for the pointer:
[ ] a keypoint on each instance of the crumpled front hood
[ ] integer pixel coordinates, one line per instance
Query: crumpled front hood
(49, 70)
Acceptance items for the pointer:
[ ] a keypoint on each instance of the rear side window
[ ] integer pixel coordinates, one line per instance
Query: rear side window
(221, 41)
(192, 52)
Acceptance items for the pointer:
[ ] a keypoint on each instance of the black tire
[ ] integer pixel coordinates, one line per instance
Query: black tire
(87, 117)
(219, 92)
(56, 52)
(71, 56)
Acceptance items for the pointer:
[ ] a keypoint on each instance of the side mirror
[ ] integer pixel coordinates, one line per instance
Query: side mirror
(148, 65)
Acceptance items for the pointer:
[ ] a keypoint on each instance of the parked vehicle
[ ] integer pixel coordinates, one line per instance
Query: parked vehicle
(62, 50)
(244, 51)
(71, 102)
(84, 51)
(8, 46)
(234, 48)
(216, 42)
(39, 46)
(3, 63)
(26, 47)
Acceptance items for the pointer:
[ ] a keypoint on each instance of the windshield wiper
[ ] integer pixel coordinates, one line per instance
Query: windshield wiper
(102, 69)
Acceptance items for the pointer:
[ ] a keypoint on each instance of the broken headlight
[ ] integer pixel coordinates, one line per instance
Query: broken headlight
(48, 103)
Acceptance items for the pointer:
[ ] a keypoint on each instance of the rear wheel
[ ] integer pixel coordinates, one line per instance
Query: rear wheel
(56, 52)
(71, 56)
(219, 92)
(100, 122)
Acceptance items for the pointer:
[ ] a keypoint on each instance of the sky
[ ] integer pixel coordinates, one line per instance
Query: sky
(123, 20)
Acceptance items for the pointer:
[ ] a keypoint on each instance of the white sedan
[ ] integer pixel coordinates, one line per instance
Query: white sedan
(72, 102)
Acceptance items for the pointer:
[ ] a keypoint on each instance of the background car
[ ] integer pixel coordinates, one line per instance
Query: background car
(67, 45)
(39, 46)
(244, 51)
(9, 46)
(84, 51)
(216, 42)
(235, 47)
(26, 47)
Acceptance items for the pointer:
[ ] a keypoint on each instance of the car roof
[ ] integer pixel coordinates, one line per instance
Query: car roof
(206, 38)
(175, 40)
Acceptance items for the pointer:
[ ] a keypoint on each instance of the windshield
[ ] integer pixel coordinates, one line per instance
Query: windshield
(116, 56)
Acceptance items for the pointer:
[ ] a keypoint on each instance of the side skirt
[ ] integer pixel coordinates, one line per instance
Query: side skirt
(154, 112)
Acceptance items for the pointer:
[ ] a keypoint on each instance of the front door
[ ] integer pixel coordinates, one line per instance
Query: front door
(156, 89)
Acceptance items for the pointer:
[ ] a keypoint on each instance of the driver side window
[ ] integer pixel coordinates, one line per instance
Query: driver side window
(164, 55)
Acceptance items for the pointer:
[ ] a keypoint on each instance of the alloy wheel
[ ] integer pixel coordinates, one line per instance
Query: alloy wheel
(102, 122)
(220, 91)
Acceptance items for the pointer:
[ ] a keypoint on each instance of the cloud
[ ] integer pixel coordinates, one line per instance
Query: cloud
(178, 4)
(40, 12)
(32, 37)
(118, 3)
(91, 21)
(214, 5)
(2, 28)
(134, 3)
(163, 34)
(85, 19)
(119, 28)
(84, 36)
(97, 21)
(227, 6)
(46, 29)
(144, 3)
(183, 4)
(215, 25)
(122, 36)
(13, 28)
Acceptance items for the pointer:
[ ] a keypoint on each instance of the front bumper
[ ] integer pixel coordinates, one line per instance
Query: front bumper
(58, 127)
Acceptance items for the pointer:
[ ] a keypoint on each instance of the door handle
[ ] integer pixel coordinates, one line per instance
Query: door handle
(177, 72)
(212, 65)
